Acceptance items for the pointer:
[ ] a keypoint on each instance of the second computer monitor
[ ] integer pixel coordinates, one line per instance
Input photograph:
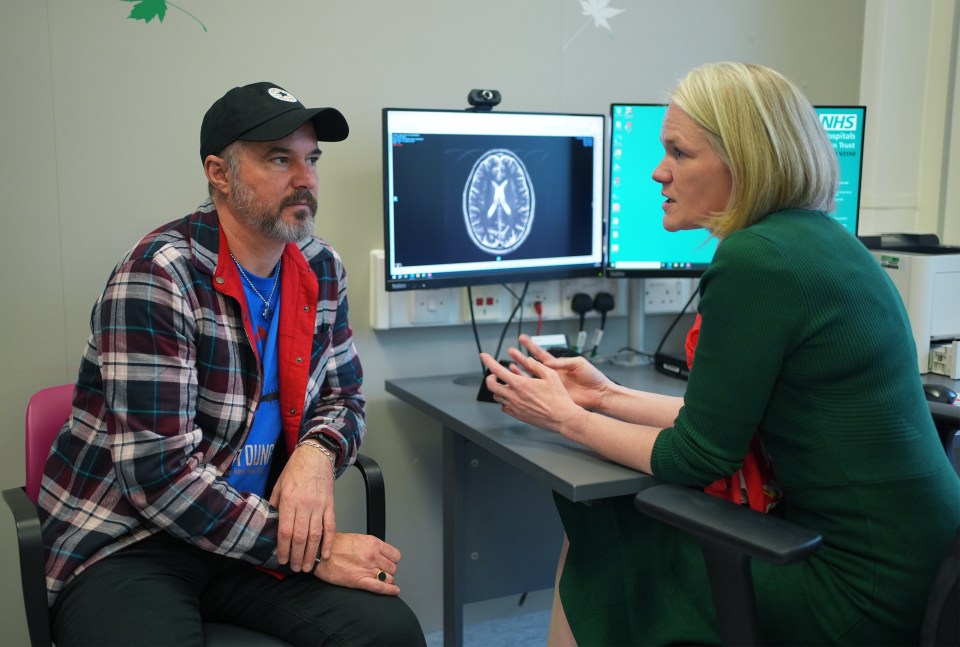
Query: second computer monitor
(637, 243)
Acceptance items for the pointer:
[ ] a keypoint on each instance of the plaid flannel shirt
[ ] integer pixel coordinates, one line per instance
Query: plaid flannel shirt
(166, 394)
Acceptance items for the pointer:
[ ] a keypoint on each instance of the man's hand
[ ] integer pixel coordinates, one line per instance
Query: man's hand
(304, 496)
(356, 562)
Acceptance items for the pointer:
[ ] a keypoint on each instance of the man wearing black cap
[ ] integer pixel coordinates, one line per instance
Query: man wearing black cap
(218, 398)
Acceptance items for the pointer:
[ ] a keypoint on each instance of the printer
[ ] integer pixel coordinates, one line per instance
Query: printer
(927, 275)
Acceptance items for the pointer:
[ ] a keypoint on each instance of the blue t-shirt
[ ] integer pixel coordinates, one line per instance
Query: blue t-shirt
(251, 467)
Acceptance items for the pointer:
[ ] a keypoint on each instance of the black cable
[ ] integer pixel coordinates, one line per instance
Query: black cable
(630, 349)
(476, 333)
(676, 319)
(517, 307)
(473, 320)
(581, 304)
(519, 300)
(603, 303)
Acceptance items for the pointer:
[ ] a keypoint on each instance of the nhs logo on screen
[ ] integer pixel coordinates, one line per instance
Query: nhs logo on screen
(838, 121)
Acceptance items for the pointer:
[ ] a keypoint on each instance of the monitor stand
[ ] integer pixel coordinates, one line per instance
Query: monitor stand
(635, 324)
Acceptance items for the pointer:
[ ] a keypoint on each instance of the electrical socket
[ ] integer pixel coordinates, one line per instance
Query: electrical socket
(665, 296)
(547, 293)
(430, 306)
(588, 286)
(490, 303)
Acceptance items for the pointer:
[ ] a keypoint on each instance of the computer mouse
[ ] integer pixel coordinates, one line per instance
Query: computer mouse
(939, 393)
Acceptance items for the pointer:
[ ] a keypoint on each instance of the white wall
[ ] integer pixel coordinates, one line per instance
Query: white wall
(99, 138)
(909, 85)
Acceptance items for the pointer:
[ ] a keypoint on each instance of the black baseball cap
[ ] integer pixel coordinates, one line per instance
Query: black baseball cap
(264, 112)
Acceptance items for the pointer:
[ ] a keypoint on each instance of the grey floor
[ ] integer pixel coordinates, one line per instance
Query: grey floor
(526, 630)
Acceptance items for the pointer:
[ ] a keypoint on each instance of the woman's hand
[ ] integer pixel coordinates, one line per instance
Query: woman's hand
(567, 394)
(357, 561)
(585, 384)
(533, 393)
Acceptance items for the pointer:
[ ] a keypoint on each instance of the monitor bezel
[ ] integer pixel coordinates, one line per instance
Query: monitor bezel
(669, 272)
(510, 275)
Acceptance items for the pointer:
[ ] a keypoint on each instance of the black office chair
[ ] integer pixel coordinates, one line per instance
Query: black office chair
(46, 412)
(731, 535)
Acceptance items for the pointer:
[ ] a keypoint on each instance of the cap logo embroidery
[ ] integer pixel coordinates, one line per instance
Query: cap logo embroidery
(282, 95)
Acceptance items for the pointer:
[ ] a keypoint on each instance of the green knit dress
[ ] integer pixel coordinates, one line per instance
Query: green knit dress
(804, 339)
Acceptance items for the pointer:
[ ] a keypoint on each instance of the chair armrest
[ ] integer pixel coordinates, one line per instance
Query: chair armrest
(729, 536)
(946, 418)
(946, 415)
(32, 571)
(728, 525)
(376, 496)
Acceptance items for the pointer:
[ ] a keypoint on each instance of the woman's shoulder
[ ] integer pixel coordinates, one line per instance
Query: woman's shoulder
(793, 236)
(786, 225)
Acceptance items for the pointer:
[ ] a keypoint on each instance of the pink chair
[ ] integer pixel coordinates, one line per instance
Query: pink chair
(47, 410)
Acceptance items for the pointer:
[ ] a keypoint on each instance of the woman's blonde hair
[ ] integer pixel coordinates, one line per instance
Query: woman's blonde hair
(767, 134)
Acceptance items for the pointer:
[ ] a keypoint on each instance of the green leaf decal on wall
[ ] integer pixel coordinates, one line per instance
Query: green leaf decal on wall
(147, 10)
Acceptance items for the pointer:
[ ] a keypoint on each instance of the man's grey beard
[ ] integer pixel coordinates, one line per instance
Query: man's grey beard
(271, 223)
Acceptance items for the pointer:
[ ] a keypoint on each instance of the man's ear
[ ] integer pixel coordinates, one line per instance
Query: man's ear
(218, 173)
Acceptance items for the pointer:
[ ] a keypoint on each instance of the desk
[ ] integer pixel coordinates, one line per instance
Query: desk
(505, 470)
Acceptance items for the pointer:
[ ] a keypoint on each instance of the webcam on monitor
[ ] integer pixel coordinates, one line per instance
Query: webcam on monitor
(483, 99)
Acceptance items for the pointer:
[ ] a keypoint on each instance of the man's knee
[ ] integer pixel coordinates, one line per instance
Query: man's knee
(363, 618)
(302, 609)
(394, 623)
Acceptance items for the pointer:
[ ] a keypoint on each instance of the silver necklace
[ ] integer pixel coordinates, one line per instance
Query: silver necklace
(267, 310)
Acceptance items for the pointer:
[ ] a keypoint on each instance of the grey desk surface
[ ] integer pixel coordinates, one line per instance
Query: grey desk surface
(563, 466)
(936, 378)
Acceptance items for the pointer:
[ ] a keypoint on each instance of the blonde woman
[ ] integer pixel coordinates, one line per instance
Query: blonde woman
(804, 341)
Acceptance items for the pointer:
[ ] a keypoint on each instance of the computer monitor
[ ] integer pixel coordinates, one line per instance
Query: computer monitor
(844, 126)
(639, 246)
(484, 197)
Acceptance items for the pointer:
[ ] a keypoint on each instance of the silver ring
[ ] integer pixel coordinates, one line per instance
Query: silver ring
(501, 399)
(381, 576)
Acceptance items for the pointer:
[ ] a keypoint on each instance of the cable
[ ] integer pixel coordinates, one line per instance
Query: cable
(581, 304)
(603, 303)
(631, 351)
(516, 308)
(519, 299)
(476, 334)
(693, 293)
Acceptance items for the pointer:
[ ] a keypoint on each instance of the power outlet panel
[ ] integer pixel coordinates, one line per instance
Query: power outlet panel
(666, 296)
(490, 303)
(547, 294)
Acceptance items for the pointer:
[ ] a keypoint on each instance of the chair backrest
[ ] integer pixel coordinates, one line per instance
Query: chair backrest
(946, 417)
(941, 622)
(47, 410)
